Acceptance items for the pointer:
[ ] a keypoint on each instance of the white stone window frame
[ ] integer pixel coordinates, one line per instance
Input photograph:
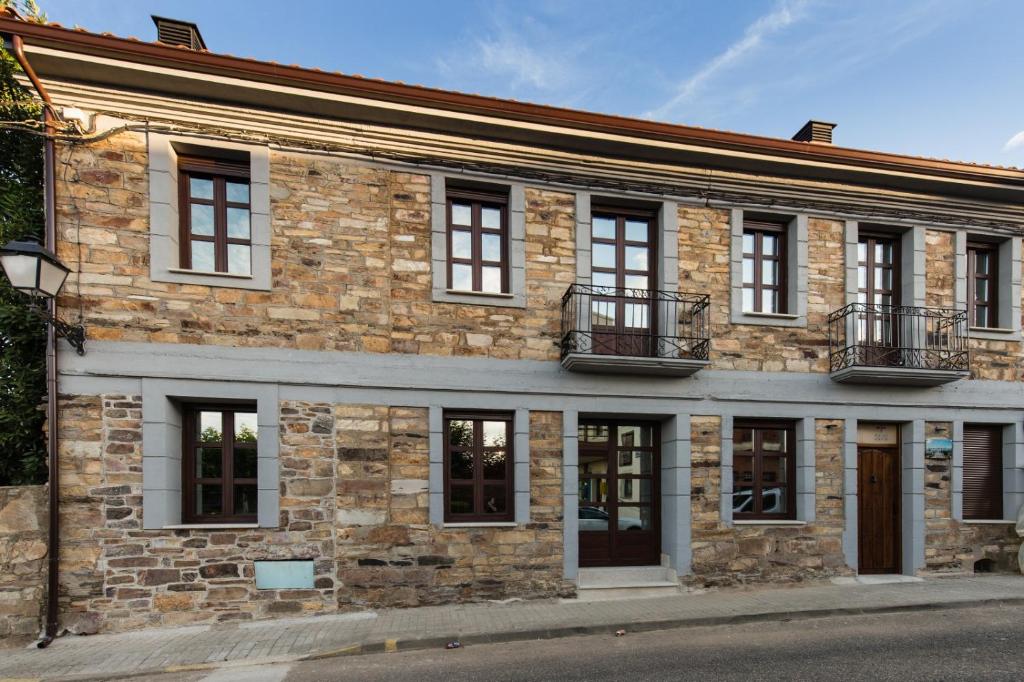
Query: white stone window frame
(796, 270)
(912, 261)
(516, 296)
(1008, 288)
(520, 472)
(163, 402)
(806, 486)
(164, 222)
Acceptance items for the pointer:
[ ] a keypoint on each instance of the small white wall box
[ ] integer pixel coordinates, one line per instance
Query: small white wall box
(284, 575)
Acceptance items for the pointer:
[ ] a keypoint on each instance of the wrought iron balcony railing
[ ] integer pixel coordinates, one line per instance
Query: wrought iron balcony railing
(602, 324)
(921, 340)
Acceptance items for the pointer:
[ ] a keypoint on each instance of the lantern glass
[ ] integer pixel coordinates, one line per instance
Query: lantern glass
(51, 277)
(21, 270)
(33, 269)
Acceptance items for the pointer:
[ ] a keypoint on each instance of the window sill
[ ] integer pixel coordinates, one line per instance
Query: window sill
(208, 273)
(211, 526)
(988, 522)
(770, 316)
(481, 524)
(481, 294)
(768, 319)
(769, 522)
(992, 330)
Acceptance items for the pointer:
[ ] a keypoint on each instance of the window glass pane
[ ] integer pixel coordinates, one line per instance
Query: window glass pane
(490, 279)
(637, 462)
(743, 500)
(770, 245)
(462, 244)
(604, 279)
(981, 289)
(981, 262)
(636, 258)
(636, 230)
(748, 270)
(200, 188)
(636, 315)
(635, 518)
(769, 272)
(238, 223)
(490, 217)
(462, 277)
(495, 434)
(981, 316)
(201, 219)
(495, 499)
(593, 491)
(774, 501)
(634, 490)
(862, 252)
(742, 471)
(773, 440)
(202, 256)
(630, 436)
(491, 247)
(245, 427)
(462, 214)
(862, 297)
(773, 470)
(245, 498)
(239, 259)
(460, 499)
(748, 242)
(748, 299)
(862, 277)
(604, 255)
(209, 499)
(592, 518)
(768, 301)
(461, 465)
(742, 440)
(460, 432)
(210, 427)
(603, 228)
(593, 433)
(637, 282)
(208, 462)
(244, 462)
(495, 462)
(602, 313)
(237, 192)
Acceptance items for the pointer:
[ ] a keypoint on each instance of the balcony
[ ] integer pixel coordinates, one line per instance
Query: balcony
(634, 331)
(898, 345)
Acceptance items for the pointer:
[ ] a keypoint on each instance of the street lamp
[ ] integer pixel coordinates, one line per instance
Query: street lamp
(35, 271)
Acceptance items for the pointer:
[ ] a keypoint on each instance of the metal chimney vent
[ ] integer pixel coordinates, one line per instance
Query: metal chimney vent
(815, 131)
(175, 32)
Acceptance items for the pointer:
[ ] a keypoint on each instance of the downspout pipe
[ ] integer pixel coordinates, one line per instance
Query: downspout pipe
(49, 212)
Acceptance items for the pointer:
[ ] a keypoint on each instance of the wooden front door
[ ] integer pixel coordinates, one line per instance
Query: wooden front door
(619, 494)
(879, 330)
(622, 265)
(878, 507)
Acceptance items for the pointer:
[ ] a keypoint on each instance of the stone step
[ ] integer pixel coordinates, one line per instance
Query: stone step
(626, 582)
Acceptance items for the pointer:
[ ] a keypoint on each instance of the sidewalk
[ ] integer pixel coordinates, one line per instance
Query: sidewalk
(159, 650)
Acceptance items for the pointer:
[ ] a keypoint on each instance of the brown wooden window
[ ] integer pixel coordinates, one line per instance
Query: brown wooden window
(764, 267)
(764, 470)
(478, 466)
(214, 207)
(877, 273)
(219, 459)
(478, 242)
(982, 284)
(983, 472)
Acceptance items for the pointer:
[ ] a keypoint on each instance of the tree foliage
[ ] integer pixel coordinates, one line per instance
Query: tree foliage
(22, 335)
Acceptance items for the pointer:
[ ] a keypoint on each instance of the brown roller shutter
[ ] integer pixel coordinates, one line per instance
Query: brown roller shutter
(983, 471)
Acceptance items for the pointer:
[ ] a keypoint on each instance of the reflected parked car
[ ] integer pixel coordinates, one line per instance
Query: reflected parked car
(771, 499)
(593, 518)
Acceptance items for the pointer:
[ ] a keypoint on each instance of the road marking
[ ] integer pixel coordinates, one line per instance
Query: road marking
(263, 673)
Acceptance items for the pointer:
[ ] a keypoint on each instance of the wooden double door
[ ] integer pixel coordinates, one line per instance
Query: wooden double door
(619, 494)
(878, 509)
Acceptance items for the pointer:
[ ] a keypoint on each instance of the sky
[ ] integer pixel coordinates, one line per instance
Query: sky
(938, 78)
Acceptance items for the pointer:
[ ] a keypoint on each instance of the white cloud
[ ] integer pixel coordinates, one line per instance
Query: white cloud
(512, 57)
(785, 13)
(1015, 142)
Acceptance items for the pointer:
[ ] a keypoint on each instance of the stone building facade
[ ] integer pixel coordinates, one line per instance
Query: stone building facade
(357, 360)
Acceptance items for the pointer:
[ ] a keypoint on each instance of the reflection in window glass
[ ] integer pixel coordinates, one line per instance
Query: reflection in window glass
(490, 279)
(238, 223)
(245, 427)
(462, 277)
(201, 188)
(636, 230)
(239, 259)
(237, 192)
(495, 434)
(211, 427)
(460, 432)
(462, 214)
(491, 250)
(490, 217)
(462, 244)
(603, 228)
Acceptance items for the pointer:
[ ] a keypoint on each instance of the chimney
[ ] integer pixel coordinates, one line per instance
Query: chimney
(815, 131)
(175, 32)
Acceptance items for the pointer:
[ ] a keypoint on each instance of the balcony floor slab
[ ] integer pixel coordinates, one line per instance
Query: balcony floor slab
(897, 376)
(617, 364)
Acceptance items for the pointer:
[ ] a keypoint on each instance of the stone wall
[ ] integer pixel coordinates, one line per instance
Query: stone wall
(952, 546)
(724, 555)
(23, 564)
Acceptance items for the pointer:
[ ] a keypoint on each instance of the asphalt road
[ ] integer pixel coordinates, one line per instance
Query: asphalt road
(973, 643)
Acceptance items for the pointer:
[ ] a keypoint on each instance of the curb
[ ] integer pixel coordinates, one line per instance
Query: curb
(439, 642)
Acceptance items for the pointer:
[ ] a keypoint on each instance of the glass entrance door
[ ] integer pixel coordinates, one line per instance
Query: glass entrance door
(618, 494)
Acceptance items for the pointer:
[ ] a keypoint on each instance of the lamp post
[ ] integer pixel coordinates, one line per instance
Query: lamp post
(37, 272)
